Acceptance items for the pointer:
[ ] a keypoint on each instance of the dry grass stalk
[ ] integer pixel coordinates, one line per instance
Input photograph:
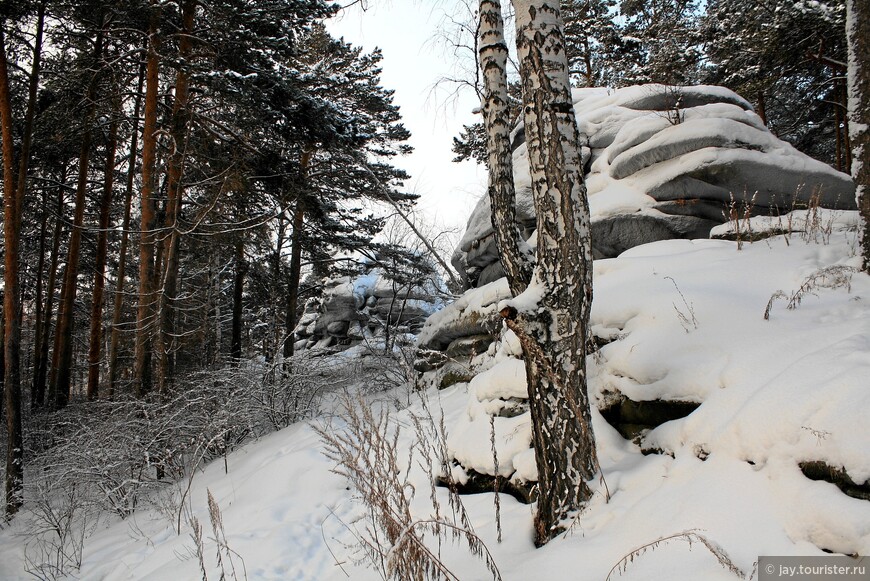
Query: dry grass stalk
(830, 277)
(690, 536)
(367, 453)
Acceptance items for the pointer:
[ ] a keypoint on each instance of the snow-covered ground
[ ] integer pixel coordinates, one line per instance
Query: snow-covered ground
(688, 318)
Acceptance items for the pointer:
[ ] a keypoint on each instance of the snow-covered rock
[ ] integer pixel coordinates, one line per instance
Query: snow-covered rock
(689, 366)
(352, 308)
(666, 162)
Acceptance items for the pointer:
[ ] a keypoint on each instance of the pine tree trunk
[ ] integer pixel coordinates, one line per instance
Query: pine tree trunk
(115, 338)
(174, 189)
(276, 286)
(38, 304)
(11, 312)
(40, 365)
(761, 106)
(60, 376)
(858, 38)
(2, 354)
(61, 369)
(23, 169)
(218, 323)
(554, 335)
(238, 288)
(145, 316)
(96, 334)
(516, 256)
(294, 276)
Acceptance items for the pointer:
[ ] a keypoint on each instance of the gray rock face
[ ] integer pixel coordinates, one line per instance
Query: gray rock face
(355, 309)
(616, 234)
(665, 162)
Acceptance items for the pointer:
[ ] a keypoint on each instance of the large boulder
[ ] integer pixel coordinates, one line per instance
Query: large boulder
(665, 162)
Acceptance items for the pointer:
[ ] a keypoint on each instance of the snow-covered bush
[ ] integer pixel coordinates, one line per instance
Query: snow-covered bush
(110, 457)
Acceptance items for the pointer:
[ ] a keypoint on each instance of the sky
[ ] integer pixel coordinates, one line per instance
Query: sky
(414, 60)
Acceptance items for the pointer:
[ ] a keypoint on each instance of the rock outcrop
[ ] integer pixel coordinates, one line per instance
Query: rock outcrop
(661, 163)
(352, 309)
(665, 162)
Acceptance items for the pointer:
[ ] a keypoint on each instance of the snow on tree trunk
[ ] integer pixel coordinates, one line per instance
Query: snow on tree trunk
(515, 254)
(551, 316)
(858, 38)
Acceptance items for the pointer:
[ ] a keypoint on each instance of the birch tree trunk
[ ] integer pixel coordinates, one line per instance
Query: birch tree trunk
(553, 332)
(516, 256)
(858, 38)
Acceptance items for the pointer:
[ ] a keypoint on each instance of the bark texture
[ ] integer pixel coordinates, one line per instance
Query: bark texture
(295, 273)
(516, 255)
(174, 190)
(858, 38)
(294, 276)
(115, 337)
(241, 268)
(61, 364)
(142, 377)
(11, 301)
(553, 332)
(40, 365)
(96, 332)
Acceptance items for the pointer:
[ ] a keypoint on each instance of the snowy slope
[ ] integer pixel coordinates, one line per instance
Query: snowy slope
(688, 321)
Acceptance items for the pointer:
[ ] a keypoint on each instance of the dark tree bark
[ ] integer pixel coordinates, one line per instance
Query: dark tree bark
(115, 337)
(277, 285)
(61, 368)
(145, 316)
(11, 311)
(294, 276)
(858, 38)
(96, 334)
(35, 401)
(24, 162)
(241, 268)
(40, 360)
(761, 106)
(295, 273)
(174, 190)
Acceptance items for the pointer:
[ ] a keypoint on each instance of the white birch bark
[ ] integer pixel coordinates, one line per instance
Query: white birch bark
(858, 74)
(553, 331)
(515, 253)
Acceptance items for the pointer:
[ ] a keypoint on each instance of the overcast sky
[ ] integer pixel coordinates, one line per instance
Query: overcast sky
(414, 60)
